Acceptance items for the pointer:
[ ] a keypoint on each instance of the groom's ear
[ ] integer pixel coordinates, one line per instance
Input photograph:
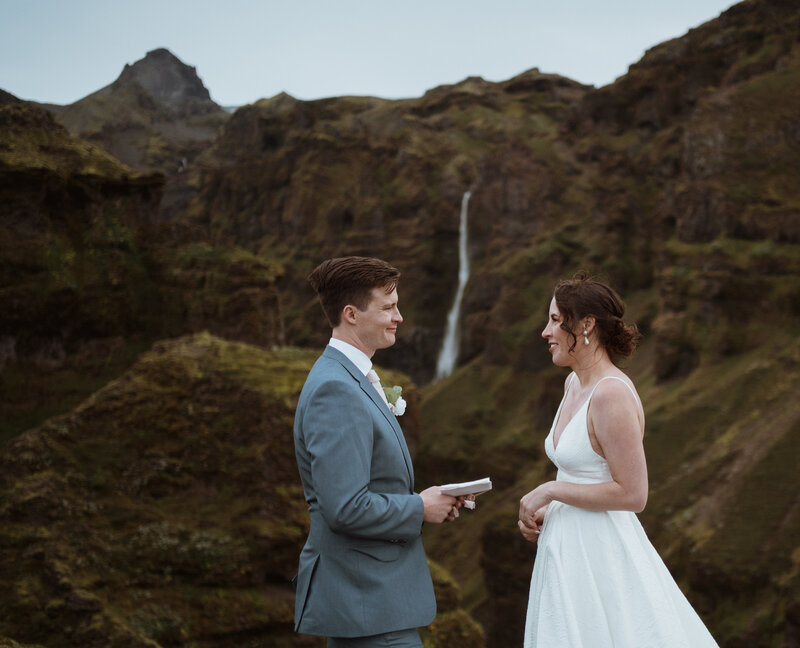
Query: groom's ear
(349, 314)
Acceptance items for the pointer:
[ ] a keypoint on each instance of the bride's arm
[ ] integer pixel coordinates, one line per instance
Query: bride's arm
(613, 414)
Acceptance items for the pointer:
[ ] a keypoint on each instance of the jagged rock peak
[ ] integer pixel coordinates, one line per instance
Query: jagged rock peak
(166, 77)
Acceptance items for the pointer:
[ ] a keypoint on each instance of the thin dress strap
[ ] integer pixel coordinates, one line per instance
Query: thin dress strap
(624, 382)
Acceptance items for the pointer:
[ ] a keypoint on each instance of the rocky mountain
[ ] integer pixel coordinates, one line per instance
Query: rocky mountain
(157, 115)
(677, 183)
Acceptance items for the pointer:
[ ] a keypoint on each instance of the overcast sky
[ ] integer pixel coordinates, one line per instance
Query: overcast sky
(59, 51)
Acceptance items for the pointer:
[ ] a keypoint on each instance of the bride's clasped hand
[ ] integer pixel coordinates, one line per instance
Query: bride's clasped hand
(532, 509)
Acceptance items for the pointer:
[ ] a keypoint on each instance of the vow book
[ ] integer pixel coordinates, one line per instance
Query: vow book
(467, 488)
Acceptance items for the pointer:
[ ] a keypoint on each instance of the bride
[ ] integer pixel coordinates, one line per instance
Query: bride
(597, 581)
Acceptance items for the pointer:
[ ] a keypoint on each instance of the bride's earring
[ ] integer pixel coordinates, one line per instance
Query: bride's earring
(585, 336)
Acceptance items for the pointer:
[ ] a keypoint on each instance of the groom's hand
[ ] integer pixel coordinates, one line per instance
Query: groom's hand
(438, 507)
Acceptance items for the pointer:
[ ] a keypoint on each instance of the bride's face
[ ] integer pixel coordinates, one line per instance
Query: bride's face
(558, 340)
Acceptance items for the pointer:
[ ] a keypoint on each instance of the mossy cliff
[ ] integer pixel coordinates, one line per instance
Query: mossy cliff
(89, 276)
(302, 181)
(76, 274)
(167, 508)
(671, 181)
(73, 225)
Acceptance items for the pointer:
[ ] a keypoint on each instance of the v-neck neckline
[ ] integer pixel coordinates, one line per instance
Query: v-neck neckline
(557, 442)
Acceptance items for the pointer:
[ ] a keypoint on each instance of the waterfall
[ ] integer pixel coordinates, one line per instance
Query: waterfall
(449, 353)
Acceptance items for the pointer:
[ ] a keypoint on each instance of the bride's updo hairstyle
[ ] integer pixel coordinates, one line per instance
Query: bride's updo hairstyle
(581, 297)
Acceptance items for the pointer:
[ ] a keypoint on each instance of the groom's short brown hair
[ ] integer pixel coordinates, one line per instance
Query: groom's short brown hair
(350, 280)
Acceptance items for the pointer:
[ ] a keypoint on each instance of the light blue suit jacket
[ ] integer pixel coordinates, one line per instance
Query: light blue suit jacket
(363, 569)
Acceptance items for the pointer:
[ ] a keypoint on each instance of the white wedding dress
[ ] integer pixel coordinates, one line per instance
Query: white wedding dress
(597, 581)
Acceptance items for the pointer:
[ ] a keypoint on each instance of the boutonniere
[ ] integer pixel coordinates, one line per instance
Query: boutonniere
(397, 405)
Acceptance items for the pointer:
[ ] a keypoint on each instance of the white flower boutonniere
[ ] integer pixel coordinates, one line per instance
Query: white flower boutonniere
(397, 404)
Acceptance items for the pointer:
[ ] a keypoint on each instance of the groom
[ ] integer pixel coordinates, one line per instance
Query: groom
(363, 579)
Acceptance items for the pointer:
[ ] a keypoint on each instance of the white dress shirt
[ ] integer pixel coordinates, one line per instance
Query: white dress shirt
(356, 356)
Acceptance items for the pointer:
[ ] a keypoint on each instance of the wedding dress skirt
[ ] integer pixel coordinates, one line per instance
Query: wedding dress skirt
(597, 581)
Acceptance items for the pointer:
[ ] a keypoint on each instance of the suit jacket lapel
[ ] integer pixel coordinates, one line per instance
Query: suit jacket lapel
(375, 397)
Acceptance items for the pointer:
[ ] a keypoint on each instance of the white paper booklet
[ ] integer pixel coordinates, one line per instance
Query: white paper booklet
(468, 488)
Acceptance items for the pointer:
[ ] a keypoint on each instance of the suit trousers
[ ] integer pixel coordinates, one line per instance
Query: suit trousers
(398, 639)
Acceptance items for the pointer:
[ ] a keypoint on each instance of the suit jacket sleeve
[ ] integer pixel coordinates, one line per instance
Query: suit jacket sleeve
(339, 431)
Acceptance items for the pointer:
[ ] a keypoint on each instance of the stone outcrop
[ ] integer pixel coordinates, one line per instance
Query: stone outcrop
(156, 116)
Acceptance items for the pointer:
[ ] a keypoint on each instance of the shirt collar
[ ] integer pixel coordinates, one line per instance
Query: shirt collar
(356, 356)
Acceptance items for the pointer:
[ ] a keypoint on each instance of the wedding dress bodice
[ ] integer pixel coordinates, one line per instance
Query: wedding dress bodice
(574, 456)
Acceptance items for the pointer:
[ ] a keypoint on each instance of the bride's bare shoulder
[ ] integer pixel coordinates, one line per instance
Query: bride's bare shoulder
(613, 392)
(610, 394)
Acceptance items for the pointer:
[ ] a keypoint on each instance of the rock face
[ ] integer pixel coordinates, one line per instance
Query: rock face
(157, 115)
(89, 277)
(75, 275)
(303, 181)
(633, 180)
(167, 508)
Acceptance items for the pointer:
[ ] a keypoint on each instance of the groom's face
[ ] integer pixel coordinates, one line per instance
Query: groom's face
(376, 326)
